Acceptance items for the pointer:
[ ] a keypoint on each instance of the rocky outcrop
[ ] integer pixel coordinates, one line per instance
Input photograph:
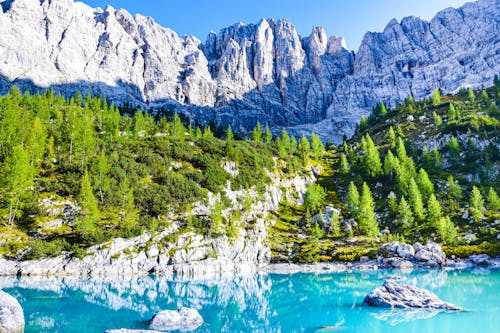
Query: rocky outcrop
(11, 314)
(246, 72)
(400, 255)
(182, 319)
(392, 295)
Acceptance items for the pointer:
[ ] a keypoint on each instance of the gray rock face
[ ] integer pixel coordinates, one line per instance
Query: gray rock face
(392, 295)
(245, 73)
(399, 255)
(11, 314)
(184, 318)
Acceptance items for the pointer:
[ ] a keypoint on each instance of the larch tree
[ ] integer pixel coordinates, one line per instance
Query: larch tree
(493, 202)
(89, 215)
(404, 216)
(434, 212)
(353, 199)
(476, 204)
(425, 185)
(367, 220)
(257, 133)
(372, 159)
(317, 146)
(415, 199)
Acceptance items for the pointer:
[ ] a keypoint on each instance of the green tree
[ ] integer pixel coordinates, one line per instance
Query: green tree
(493, 200)
(425, 185)
(89, 215)
(476, 205)
(128, 214)
(344, 165)
(438, 121)
(452, 112)
(434, 210)
(314, 198)
(391, 137)
(317, 146)
(217, 219)
(102, 175)
(436, 97)
(453, 189)
(363, 124)
(257, 133)
(470, 95)
(390, 164)
(304, 148)
(353, 199)
(372, 159)
(16, 180)
(415, 200)
(446, 230)
(367, 221)
(404, 215)
(36, 143)
(268, 135)
(453, 148)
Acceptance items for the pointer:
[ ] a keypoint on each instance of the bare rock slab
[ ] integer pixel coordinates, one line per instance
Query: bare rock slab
(11, 314)
(392, 295)
(182, 319)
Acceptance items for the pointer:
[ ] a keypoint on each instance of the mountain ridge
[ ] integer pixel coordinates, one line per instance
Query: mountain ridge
(245, 73)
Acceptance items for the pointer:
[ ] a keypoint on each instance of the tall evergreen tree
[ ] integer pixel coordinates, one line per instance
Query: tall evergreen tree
(446, 230)
(372, 159)
(89, 215)
(257, 133)
(493, 200)
(425, 185)
(434, 210)
(353, 199)
(367, 221)
(317, 146)
(404, 215)
(436, 97)
(16, 180)
(476, 205)
(344, 165)
(415, 200)
(268, 135)
(454, 191)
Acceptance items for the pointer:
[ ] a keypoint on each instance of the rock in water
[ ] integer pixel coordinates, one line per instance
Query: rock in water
(184, 318)
(11, 314)
(392, 295)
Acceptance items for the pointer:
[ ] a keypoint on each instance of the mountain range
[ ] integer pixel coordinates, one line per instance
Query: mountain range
(245, 73)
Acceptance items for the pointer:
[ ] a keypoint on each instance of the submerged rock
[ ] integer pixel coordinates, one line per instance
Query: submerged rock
(480, 259)
(392, 295)
(11, 314)
(184, 318)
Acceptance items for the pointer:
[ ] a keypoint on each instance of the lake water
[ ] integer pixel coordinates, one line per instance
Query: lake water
(258, 303)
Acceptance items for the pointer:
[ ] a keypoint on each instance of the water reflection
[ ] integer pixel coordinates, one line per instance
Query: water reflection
(257, 303)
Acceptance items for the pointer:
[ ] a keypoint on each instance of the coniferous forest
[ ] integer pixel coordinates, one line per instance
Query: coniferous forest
(425, 170)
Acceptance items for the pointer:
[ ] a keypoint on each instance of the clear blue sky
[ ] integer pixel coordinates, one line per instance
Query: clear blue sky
(347, 18)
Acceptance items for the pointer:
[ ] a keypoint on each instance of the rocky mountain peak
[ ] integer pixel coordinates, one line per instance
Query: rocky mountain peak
(246, 72)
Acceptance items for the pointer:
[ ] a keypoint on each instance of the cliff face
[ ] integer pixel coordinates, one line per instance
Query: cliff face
(245, 73)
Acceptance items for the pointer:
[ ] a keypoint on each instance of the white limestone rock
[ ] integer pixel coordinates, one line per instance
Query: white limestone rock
(11, 314)
(184, 318)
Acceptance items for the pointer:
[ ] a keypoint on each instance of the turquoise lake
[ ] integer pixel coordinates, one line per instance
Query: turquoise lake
(259, 303)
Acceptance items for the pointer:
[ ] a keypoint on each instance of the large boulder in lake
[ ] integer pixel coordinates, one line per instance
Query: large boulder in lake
(182, 319)
(431, 254)
(397, 249)
(11, 314)
(393, 295)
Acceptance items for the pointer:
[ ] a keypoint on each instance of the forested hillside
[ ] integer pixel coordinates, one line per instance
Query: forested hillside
(76, 172)
(425, 170)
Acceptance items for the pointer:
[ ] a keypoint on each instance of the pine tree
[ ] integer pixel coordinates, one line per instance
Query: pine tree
(16, 179)
(493, 200)
(476, 205)
(363, 124)
(470, 95)
(404, 215)
(415, 200)
(304, 148)
(392, 202)
(128, 214)
(401, 150)
(391, 137)
(436, 97)
(425, 185)
(314, 198)
(383, 110)
(453, 148)
(102, 177)
(293, 145)
(372, 159)
(390, 164)
(257, 133)
(268, 135)
(452, 112)
(434, 210)
(353, 199)
(335, 225)
(89, 215)
(317, 146)
(446, 230)
(344, 165)
(453, 189)
(367, 221)
(438, 121)
(178, 128)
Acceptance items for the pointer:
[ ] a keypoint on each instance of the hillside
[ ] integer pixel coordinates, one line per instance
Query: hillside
(422, 171)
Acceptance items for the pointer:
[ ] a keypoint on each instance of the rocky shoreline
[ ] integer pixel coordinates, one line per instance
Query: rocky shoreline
(104, 261)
